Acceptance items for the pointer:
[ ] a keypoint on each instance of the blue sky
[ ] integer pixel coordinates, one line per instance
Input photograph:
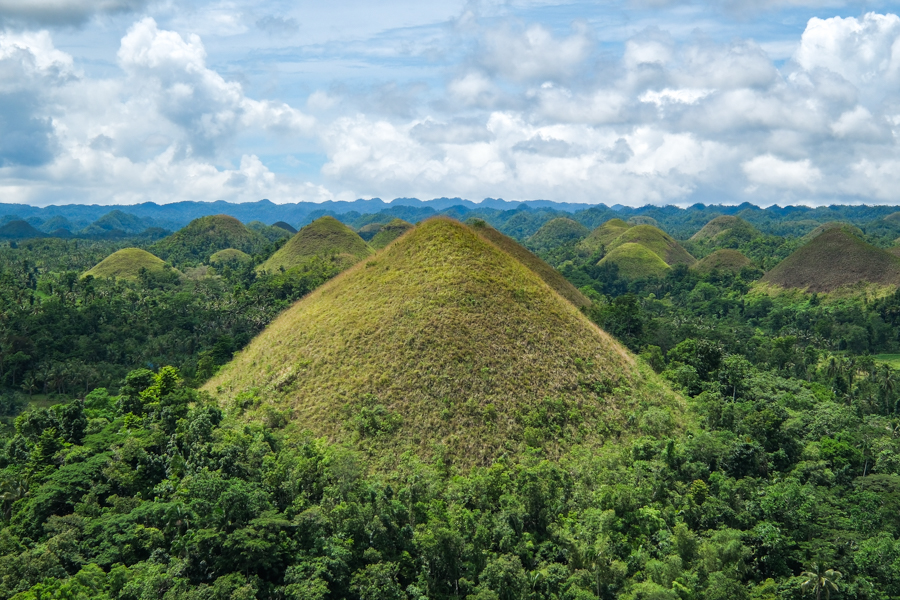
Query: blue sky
(655, 101)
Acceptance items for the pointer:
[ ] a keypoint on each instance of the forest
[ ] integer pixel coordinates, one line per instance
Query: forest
(123, 476)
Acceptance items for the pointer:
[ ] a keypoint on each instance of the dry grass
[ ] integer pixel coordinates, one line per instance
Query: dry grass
(636, 261)
(458, 342)
(833, 260)
(126, 264)
(229, 255)
(657, 241)
(731, 261)
(550, 275)
(847, 227)
(326, 237)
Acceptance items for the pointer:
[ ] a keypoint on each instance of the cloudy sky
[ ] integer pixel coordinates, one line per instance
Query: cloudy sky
(619, 101)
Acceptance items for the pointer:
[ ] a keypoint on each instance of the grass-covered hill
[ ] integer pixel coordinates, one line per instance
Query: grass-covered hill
(444, 343)
(602, 236)
(724, 226)
(389, 232)
(551, 276)
(834, 259)
(643, 220)
(126, 264)
(326, 238)
(847, 227)
(894, 217)
(19, 230)
(555, 233)
(635, 261)
(270, 232)
(286, 226)
(205, 236)
(724, 260)
(657, 241)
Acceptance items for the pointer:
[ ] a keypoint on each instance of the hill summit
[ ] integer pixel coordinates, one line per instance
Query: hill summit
(444, 343)
(724, 226)
(325, 237)
(833, 259)
(389, 232)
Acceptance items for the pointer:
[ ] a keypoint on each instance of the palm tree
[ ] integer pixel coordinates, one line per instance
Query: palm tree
(819, 580)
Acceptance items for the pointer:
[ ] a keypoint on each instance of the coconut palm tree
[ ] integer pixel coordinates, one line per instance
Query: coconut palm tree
(819, 580)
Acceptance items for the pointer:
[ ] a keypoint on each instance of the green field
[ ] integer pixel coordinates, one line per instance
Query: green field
(889, 359)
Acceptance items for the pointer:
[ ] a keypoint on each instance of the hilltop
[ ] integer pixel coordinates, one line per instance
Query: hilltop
(725, 226)
(325, 237)
(444, 343)
(126, 264)
(725, 260)
(602, 236)
(389, 232)
(851, 229)
(636, 261)
(555, 233)
(551, 276)
(657, 241)
(368, 231)
(834, 259)
(204, 237)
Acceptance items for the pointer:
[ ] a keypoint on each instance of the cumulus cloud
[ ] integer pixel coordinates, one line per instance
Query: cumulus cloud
(534, 53)
(172, 72)
(790, 175)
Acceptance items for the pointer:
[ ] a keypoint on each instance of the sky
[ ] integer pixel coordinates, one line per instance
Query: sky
(627, 102)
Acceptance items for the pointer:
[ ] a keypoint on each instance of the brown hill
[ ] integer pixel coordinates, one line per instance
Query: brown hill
(326, 238)
(444, 342)
(721, 226)
(851, 229)
(832, 260)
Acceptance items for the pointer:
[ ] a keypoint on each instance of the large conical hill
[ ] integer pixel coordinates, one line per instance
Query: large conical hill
(555, 233)
(602, 236)
(19, 230)
(551, 276)
(126, 264)
(444, 343)
(657, 241)
(636, 261)
(724, 260)
(834, 259)
(325, 237)
(205, 236)
(389, 232)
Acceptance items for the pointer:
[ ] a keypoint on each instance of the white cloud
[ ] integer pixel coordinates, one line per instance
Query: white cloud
(863, 51)
(768, 170)
(670, 96)
(534, 53)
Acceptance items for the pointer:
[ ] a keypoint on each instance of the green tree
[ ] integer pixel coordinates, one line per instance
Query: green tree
(818, 580)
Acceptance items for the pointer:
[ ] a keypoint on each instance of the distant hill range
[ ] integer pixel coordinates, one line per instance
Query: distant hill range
(520, 220)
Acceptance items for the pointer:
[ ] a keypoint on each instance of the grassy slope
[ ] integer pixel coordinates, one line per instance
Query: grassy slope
(603, 236)
(368, 231)
(205, 236)
(556, 232)
(550, 275)
(389, 232)
(636, 261)
(229, 254)
(719, 226)
(125, 264)
(459, 340)
(657, 241)
(723, 260)
(832, 260)
(326, 237)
